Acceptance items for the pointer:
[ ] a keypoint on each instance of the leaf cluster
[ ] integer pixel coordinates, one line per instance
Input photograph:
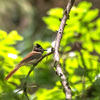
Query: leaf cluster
(79, 47)
(79, 57)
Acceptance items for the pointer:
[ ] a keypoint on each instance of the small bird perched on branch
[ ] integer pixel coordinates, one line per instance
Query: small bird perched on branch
(30, 59)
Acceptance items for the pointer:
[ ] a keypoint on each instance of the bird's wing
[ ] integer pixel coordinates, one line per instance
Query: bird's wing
(31, 56)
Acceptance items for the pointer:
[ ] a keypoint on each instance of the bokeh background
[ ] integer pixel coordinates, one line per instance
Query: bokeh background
(23, 23)
(25, 16)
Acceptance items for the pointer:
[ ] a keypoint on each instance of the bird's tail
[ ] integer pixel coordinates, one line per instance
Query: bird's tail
(13, 71)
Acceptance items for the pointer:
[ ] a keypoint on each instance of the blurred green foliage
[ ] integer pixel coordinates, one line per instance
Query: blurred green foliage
(79, 56)
(8, 58)
(80, 46)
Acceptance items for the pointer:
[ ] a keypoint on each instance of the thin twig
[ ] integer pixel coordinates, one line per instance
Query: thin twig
(27, 77)
(82, 59)
(67, 89)
(44, 57)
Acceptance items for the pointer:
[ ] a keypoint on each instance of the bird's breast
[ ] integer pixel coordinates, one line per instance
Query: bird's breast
(32, 61)
(31, 58)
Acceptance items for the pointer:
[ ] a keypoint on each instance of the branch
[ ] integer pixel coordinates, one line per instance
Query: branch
(57, 64)
(25, 83)
(44, 57)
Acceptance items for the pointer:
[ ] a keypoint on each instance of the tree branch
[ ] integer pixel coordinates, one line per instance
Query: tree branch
(25, 83)
(57, 64)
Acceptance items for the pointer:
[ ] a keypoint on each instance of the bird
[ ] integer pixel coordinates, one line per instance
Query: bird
(30, 59)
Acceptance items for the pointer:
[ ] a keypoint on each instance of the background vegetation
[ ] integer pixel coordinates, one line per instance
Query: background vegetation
(80, 54)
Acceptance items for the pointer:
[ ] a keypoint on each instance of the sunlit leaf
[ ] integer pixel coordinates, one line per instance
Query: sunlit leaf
(14, 35)
(85, 5)
(52, 94)
(57, 12)
(3, 34)
(97, 47)
(52, 22)
(98, 22)
(88, 45)
(92, 14)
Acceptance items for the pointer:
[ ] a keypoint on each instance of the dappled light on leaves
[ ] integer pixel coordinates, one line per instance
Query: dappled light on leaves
(79, 58)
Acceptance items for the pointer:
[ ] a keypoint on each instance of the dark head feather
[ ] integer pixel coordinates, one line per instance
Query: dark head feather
(38, 48)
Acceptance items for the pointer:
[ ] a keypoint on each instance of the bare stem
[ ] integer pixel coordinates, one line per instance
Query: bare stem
(67, 89)
(25, 83)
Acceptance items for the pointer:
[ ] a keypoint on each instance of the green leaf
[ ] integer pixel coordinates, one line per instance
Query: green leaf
(57, 12)
(53, 19)
(3, 34)
(51, 94)
(91, 15)
(97, 47)
(78, 87)
(72, 64)
(52, 22)
(95, 34)
(75, 78)
(88, 45)
(85, 5)
(98, 22)
(12, 38)
(15, 36)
